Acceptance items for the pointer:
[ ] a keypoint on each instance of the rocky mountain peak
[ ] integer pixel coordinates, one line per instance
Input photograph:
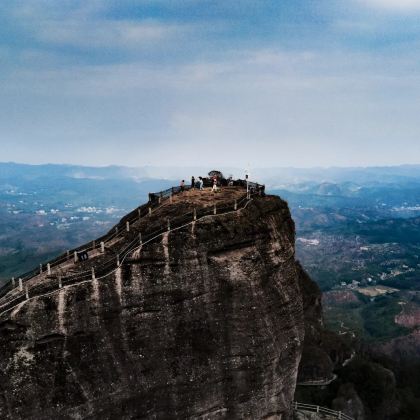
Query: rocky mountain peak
(191, 307)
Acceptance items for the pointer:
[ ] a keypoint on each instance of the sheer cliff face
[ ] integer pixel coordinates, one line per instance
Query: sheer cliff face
(323, 350)
(206, 322)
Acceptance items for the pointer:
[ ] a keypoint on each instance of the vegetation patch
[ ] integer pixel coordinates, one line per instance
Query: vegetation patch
(379, 319)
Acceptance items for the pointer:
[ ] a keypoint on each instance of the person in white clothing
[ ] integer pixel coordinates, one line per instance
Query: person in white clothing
(214, 189)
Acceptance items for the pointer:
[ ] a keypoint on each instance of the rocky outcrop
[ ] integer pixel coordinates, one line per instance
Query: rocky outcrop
(349, 402)
(205, 322)
(371, 383)
(323, 350)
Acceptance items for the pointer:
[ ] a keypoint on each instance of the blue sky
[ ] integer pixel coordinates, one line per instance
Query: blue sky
(264, 83)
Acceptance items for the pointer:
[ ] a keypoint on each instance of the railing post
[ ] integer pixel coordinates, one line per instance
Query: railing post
(20, 285)
(140, 238)
(102, 247)
(159, 200)
(139, 212)
(116, 229)
(75, 256)
(169, 225)
(127, 226)
(93, 273)
(118, 260)
(13, 282)
(195, 214)
(26, 291)
(339, 414)
(170, 198)
(235, 206)
(60, 284)
(215, 209)
(150, 211)
(317, 408)
(48, 269)
(40, 268)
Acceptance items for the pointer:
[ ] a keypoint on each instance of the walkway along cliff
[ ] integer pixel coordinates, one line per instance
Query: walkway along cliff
(191, 308)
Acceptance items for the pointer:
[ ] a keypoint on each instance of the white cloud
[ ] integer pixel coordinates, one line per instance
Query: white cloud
(85, 25)
(333, 106)
(195, 89)
(398, 5)
(105, 34)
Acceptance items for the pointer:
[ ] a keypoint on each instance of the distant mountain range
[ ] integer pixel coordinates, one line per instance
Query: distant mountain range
(273, 177)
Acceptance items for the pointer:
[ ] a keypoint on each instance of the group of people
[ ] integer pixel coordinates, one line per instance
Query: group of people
(215, 181)
(198, 184)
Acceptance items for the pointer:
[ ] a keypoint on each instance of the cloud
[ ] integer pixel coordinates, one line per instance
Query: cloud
(69, 27)
(105, 34)
(261, 104)
(130, 87)
(397, 5)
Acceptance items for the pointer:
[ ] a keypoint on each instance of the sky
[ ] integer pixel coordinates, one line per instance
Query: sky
(210, 82)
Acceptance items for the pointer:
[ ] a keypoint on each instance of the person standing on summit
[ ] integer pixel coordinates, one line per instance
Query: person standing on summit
(192, 182)
(182, 186)
(214, 189)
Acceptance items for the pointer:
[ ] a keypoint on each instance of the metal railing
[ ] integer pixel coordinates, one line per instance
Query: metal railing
(297, 406)
(318, 382)
(113, 263)
(155, 199)
(117, 230)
